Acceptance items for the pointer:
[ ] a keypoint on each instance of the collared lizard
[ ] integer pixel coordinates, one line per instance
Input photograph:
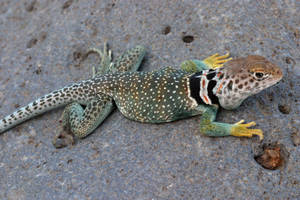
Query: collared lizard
(165, 95)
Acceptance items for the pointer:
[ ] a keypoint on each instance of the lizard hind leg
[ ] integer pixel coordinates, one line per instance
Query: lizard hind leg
(130, 60)
(216, 61)
(81, 122)
(106, 60)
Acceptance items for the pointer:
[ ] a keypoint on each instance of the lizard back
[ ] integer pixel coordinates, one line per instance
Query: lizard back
(153, 97)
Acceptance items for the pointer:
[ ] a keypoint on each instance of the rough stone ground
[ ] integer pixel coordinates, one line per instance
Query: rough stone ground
(42, 47)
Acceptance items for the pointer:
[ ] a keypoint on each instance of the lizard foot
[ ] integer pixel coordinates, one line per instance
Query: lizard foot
(216, 61)
(106, 60)
(62, 140)
(65, 137)
(241, 130)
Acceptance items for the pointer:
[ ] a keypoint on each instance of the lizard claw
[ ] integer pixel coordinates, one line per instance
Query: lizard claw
(241, 130)
(216, 61)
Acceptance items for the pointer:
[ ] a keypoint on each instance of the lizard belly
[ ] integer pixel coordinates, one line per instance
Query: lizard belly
(149, 110)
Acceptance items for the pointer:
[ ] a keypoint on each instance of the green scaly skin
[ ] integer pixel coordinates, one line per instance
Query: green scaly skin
(153, 97)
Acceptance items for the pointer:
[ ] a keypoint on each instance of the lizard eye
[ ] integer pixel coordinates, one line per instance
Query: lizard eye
(259, 75)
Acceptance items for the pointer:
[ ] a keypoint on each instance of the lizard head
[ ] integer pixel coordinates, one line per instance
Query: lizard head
(246, 76)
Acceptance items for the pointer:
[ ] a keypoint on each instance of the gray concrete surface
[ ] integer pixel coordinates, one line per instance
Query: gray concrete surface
(42, 45)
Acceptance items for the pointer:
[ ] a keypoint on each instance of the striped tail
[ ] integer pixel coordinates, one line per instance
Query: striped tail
(55, 99)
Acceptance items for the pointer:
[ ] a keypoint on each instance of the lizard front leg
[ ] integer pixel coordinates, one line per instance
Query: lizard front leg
(216, 61)
(211, 62)
(209, 127)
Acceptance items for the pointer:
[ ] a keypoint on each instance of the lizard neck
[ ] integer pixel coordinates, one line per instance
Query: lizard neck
(202, 86)
(213, 87)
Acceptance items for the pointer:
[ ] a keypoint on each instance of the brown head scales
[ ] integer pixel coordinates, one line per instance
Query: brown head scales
(245, 77)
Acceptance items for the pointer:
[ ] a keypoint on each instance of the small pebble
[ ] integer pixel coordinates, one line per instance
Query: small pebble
(285, 109)
(296, 138)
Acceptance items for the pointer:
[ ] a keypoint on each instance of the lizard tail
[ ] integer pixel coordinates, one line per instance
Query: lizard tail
(48, 102)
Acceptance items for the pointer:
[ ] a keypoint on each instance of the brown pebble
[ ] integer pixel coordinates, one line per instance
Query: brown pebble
(271, 157)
